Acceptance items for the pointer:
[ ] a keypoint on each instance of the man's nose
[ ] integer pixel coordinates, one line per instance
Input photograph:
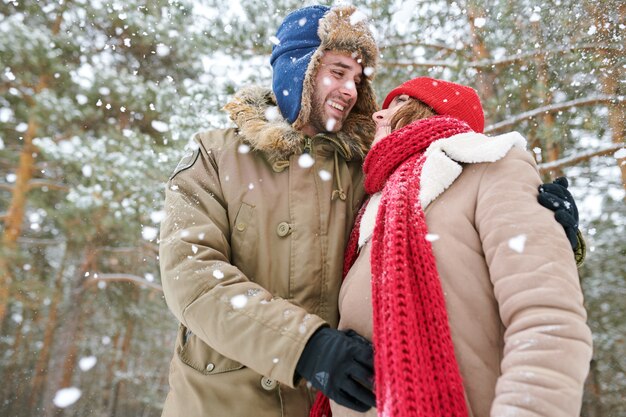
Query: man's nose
(349, 90)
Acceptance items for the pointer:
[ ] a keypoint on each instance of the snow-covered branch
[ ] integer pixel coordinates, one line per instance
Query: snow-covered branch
(427, 64)
(575, 159)
(418, 44)
(133, 279)
(525, 57)
(501, 62)
(552, 108)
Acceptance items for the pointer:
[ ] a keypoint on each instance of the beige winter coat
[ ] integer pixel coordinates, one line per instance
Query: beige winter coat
(251, 256)
(509, 277)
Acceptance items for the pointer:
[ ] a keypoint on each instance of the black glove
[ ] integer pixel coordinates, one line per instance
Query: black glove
(557, 198)
(341, 365)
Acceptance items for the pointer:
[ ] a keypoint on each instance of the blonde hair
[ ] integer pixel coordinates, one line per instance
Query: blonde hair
(413, 110)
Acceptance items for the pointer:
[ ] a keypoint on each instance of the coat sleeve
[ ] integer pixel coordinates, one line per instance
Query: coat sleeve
(547, 343)
(213, 298)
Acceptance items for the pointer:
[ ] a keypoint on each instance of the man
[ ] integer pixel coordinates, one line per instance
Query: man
(257, 222)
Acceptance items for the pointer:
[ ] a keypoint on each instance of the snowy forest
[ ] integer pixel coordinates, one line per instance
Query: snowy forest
(98, 100)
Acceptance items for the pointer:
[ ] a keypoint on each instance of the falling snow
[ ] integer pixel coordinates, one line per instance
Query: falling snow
(479, 22)
(239, 301)
(128, 86)
(66, 397)
(160, 126)
(306, 161)
(87, 363)
(325, 175)
(518, 243)
(149, 233)
(431, 237)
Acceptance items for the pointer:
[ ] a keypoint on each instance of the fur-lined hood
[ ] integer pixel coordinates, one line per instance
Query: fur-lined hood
(254, 110)
(342, 29)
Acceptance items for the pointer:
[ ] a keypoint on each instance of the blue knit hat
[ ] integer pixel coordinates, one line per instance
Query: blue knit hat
(303, 37)
(298, 41)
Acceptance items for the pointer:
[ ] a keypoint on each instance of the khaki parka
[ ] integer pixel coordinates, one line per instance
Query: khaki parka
(251, 253)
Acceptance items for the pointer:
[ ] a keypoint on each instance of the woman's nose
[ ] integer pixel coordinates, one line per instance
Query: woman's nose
(378, 116)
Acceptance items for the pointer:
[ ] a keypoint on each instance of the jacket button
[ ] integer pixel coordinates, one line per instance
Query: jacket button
(241, 226)
(283, 229)
(210, 367)
(268, 384)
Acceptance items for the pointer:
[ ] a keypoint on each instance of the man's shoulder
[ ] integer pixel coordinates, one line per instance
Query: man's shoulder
(216, 138)
(209, 143)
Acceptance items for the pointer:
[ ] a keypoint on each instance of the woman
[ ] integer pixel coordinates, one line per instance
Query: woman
(466, 286)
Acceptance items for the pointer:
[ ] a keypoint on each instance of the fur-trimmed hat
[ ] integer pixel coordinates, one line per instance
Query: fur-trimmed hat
(302, 39)
(444, 98)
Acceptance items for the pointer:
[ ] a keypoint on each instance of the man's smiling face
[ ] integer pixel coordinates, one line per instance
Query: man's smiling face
(334, 93)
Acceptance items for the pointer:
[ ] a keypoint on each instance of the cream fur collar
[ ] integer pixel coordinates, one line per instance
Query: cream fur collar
(443, 166)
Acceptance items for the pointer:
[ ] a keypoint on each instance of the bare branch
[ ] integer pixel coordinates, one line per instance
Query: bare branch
(53, 185)
(552, 108)
(427, 64)
(6, 187)
(151, 247)
(133, 250)
(5, 85)
(38, 183)
(506, 61)
(418, 44)
(133, 279)
(126, 249)
(575, 159)
(527, 56)
(41, 242)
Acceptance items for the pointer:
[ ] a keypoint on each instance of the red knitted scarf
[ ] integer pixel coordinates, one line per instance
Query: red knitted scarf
(416, 370)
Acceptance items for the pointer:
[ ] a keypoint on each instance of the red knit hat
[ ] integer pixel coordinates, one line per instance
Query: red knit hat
(445, 98)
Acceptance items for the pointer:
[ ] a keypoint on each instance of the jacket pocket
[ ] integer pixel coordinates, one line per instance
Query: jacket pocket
(199, 356)
(244, 238)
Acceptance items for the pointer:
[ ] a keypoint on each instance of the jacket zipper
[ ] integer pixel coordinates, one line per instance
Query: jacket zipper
(307, 145)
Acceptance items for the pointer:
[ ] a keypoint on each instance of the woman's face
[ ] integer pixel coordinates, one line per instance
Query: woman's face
(382, 118)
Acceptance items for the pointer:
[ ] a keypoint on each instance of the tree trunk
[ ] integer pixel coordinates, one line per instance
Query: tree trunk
(552, 146)
(122, 365)
(10, 400)
(486, 80)
(613, 75)
(15, 213)
(69, 338)
(41, 367)
(617, 114)
(109, 384)
(592, 403)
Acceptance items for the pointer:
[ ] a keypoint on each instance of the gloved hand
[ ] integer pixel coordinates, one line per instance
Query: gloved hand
(557, 198)
(341, 365)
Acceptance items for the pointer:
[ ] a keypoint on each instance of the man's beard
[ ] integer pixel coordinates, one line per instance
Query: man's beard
(316, 118)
